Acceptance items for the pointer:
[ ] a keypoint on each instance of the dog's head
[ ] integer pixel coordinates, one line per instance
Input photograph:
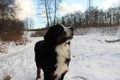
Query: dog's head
(58, 34)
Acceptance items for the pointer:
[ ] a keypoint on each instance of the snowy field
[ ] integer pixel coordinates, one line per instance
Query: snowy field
(92, 59)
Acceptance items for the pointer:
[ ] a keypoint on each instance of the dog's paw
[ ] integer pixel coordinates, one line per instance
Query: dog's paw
(38, 78)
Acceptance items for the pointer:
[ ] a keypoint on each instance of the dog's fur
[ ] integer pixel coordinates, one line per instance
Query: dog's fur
(52, 54)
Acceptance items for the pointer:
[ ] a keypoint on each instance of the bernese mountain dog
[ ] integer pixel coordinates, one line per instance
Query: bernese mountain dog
(52, 54)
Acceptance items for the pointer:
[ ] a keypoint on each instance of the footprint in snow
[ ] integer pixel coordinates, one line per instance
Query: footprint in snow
(81, 78)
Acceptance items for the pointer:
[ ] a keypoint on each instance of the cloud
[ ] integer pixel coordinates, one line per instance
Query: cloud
(65, 8)
(108, 3)
(26, 8)
(43, 13)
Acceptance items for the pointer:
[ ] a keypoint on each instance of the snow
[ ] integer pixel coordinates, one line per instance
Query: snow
(91, 59)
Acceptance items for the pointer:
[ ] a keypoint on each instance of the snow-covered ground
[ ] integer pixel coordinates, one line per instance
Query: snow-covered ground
(92, 59)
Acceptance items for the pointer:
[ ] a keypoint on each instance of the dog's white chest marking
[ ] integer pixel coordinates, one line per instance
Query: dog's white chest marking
(62, 54)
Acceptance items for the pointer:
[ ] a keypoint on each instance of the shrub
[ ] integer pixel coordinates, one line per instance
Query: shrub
(39, 32)
(11, 30)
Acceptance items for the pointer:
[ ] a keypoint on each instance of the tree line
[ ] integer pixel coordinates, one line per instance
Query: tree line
(92, 17)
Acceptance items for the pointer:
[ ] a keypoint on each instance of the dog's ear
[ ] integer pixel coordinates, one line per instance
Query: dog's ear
(49, 37)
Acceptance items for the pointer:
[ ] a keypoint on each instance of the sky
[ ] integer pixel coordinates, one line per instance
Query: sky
(29, 8)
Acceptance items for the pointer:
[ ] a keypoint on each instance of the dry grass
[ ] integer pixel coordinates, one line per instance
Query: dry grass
(7, 77)
(96, 25)
(3, 49)
(11, 30)
(11, 35)
(39, 32)
(22, 41)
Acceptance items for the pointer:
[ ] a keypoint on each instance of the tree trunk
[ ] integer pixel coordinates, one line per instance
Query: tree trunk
(55, 13)
(46, 10)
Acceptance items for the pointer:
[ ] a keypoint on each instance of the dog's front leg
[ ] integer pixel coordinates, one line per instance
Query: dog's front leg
(38, 73)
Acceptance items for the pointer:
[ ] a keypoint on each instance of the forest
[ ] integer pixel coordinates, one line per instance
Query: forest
(92, 17)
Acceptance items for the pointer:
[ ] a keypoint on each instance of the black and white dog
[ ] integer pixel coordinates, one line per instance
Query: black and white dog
(52, 54)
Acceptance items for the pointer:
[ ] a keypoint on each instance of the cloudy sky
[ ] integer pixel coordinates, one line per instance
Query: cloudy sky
(28, 8)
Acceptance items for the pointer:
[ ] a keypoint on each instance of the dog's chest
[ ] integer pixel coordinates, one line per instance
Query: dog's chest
(62, 55)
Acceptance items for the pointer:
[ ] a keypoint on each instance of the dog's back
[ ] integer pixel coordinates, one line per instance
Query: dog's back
(39, 52)
(45, 58)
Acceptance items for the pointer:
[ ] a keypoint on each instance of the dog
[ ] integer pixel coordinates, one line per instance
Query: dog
(52, 54)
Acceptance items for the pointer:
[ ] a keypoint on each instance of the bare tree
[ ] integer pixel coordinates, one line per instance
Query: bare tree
(28, 23)
(6, 9)
(51, 7)
(56, 5)
(46, 3)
